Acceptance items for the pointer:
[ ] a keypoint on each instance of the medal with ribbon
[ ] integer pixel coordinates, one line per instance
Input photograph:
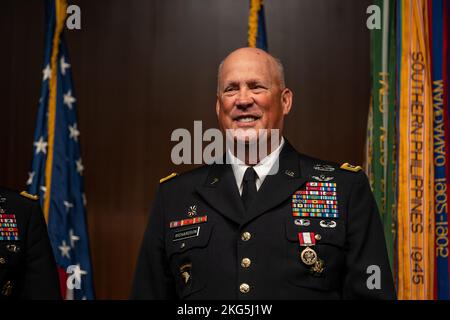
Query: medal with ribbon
(308, 255)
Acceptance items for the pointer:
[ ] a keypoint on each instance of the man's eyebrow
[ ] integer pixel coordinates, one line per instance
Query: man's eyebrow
(249, 81)
(254, 81)
(231, 83)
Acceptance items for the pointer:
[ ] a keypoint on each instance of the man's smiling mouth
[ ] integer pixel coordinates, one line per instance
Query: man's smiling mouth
(247, 118)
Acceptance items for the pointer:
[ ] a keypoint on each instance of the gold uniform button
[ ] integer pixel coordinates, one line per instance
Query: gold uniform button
(246, 236)
(244, 288)
(246, 262)
(318, 237)
(2, 260)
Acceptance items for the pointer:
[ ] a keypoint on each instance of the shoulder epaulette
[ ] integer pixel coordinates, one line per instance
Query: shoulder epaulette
(350, 167)
(29, 196)
(170, 176)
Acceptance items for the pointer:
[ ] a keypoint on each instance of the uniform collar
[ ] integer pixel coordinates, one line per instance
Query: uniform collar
(219, 189)
(262, 168)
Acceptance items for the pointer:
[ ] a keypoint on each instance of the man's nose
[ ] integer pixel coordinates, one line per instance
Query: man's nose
(244, 99)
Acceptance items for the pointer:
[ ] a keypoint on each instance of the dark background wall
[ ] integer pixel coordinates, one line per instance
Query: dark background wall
(143, 68)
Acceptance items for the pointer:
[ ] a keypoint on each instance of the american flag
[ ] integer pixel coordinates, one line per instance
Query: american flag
(57, 163)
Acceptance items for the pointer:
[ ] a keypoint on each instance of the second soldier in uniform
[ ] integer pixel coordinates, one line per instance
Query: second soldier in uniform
(27, 265)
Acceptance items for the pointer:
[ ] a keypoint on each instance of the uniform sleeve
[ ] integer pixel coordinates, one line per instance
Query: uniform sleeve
(153, 278)
(366, 246)
(40, 277)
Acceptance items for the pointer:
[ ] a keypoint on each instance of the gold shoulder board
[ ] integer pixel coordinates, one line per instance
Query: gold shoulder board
(29, 196)
(349, 167)
(170, 176)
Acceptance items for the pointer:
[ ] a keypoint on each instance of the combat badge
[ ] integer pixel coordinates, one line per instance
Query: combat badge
(322, 178)
(328, 224)
(12, 248)
(302, 222)
(323, 167)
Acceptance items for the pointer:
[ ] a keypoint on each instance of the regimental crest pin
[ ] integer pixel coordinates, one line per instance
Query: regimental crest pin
(289, 173)
(192, 212)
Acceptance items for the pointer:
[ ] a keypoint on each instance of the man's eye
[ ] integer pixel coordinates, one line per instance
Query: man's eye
(229, 89)
(258, 86)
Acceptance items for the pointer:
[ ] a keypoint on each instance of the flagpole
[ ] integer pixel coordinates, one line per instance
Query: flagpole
(61, 7)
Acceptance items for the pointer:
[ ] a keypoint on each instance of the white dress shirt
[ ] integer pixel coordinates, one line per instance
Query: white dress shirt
(262, 168)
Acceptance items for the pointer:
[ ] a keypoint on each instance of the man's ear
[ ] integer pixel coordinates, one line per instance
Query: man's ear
(286, 100)
(217, 106)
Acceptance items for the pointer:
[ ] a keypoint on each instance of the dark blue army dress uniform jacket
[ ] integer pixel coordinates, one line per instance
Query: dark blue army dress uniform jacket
(27, 265)
(200, 242)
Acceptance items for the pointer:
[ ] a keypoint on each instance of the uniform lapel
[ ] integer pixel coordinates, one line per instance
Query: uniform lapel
(278, 187)
(220, 191)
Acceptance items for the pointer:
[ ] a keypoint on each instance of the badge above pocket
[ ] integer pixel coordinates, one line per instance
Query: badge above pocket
(323, 235)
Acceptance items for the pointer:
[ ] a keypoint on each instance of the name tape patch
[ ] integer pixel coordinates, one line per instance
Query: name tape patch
(186, 234)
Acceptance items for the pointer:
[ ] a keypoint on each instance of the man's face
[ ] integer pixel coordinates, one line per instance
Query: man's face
(250, 94)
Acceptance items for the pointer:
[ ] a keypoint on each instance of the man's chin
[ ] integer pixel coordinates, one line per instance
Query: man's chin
(246, 136)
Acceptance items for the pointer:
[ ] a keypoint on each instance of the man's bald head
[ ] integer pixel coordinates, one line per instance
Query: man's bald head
(274, 64)
(251, 94)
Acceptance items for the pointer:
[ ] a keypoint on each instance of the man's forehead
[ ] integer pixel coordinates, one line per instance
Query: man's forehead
(245, 68)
